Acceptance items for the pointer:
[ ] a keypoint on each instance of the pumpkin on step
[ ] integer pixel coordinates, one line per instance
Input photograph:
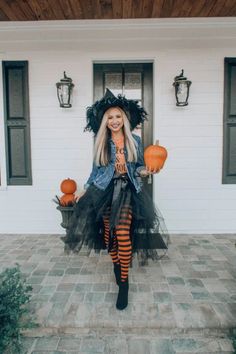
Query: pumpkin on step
(155, 156)
(67, 199)
(68, 186)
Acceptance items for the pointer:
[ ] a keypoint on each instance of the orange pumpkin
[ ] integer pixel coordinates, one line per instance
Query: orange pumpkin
(67, 199)
(155, 156)
(68, 186)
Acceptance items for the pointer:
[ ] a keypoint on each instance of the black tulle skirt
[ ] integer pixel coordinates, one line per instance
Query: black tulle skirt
(148, 233)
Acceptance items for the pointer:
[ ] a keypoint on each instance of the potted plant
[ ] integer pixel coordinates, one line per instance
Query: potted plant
(66, 202)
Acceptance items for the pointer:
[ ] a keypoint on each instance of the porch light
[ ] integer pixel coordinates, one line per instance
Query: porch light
(181, 85)
(64, 91)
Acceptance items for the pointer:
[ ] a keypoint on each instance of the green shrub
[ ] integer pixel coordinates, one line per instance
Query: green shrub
(14, 314)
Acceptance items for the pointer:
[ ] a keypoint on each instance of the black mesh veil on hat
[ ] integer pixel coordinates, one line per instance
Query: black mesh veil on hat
(135, 113)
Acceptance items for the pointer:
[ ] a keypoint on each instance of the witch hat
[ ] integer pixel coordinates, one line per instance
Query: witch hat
(135, 113)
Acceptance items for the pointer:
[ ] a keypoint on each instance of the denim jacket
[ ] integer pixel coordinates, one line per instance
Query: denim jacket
(102, 175)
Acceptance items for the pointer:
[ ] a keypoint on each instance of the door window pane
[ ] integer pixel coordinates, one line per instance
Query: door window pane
(133, 85)
(113, 81)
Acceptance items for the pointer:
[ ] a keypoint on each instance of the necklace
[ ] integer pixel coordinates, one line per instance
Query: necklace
(118, 140)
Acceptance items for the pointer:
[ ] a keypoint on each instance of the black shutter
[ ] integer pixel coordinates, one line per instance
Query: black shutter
(229, 130)
(17, 122)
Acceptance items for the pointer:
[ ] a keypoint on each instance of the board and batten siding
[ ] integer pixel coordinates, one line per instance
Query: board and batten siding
(188, 191)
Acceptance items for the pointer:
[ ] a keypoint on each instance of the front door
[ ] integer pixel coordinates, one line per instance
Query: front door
(135, 81)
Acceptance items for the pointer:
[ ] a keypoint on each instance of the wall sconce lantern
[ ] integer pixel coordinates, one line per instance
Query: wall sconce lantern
(181, 85)
(64, 91)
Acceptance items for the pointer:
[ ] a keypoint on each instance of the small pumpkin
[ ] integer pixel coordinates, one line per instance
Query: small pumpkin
(68, 186)
(155, 156)
(67, 199)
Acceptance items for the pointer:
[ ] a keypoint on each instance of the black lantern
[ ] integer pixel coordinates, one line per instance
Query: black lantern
(181, 85)
(64, 91)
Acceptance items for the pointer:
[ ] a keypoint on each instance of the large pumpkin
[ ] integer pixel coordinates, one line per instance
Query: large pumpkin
(67, 199)
(68, 186)
(155, 156)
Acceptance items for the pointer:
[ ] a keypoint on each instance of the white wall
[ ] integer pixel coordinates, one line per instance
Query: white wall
(188, 191)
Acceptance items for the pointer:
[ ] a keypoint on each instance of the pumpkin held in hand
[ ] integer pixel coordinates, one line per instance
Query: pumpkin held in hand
(155, 156)
(68, 186)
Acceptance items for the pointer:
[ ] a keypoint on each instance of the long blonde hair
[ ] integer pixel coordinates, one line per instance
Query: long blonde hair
(101, 148)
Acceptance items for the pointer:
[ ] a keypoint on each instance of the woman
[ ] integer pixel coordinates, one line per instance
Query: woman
(114, 213)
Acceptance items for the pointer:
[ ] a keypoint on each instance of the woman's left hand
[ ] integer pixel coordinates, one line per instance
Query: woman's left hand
(151, 171)
(146, 172)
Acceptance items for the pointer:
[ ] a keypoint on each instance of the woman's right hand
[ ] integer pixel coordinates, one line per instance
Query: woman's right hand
(78, 196)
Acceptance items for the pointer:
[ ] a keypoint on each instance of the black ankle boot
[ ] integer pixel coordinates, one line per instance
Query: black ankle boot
(122, 299)
(117, 271)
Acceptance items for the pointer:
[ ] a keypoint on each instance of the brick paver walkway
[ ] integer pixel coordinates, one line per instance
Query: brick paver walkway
(185, 303)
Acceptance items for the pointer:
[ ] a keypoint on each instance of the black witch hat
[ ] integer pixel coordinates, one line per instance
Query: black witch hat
(134, 112)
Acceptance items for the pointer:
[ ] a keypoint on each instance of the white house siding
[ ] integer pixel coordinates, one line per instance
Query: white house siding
(189, 190)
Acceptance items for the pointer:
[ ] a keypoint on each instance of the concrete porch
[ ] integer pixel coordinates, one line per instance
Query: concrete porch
(185, 303)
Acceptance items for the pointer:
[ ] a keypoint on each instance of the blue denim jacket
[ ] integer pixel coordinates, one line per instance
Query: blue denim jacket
(102, 175)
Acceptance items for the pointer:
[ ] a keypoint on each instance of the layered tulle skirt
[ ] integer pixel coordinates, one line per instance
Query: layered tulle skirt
(148, 233)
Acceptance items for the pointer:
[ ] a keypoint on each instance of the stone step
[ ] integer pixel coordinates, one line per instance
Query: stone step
(124, 329)
(69, 316)
(95, 342)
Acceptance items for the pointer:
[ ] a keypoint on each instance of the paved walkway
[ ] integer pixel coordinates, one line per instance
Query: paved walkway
(185, 303)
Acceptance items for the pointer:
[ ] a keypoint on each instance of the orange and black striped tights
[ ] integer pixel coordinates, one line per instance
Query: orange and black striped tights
(121, 251)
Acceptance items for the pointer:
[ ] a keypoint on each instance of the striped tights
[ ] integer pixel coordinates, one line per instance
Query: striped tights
(122, 250)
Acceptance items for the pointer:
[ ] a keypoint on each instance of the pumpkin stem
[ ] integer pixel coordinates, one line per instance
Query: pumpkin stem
(157, 142)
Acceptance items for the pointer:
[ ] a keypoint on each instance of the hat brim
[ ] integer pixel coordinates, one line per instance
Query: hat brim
(94, 114)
